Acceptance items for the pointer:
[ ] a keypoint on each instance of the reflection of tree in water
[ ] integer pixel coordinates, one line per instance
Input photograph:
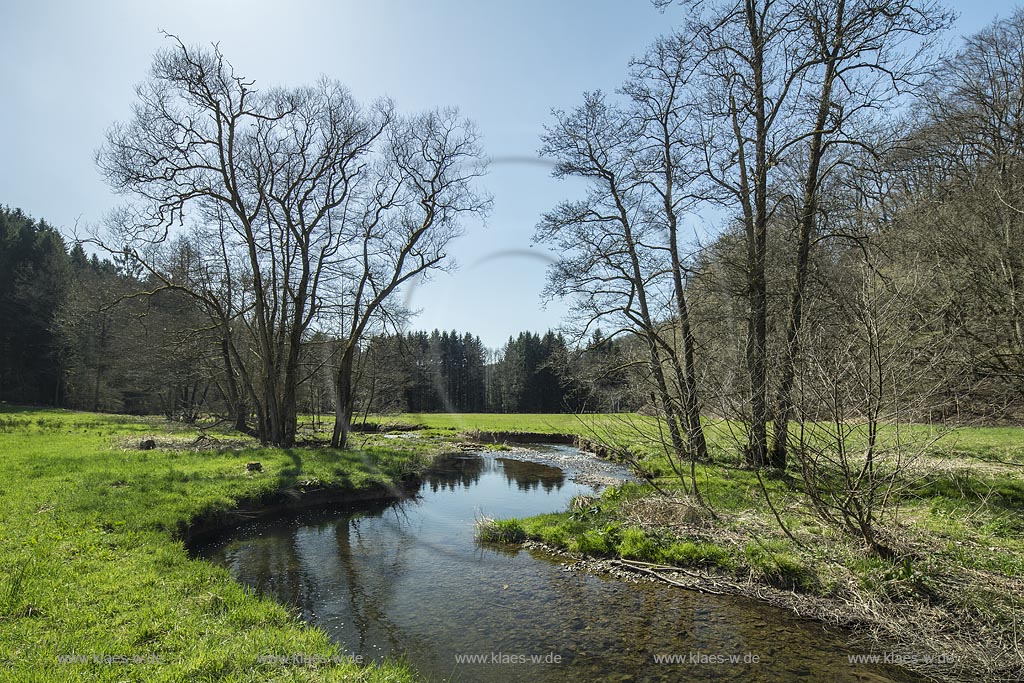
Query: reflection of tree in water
(454, 472)
(272, 567)
(370, 575)
(530, 475)
(462, 471)
(300, 569)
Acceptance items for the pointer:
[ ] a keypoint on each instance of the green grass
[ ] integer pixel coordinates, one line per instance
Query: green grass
(539, 423)
(500, 531)
(90, 563)
(982, 443)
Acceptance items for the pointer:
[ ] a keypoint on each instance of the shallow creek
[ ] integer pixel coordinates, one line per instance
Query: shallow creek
(409, 580)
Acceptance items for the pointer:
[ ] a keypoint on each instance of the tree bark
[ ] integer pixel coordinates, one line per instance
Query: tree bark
(344, 401)
(757, 294)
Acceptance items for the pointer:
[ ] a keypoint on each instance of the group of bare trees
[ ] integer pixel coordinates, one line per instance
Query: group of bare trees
(620, 243)
(747, 109)
(858, 201)
(283, 213)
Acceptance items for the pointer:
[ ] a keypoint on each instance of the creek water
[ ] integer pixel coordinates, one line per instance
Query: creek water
(410, 581)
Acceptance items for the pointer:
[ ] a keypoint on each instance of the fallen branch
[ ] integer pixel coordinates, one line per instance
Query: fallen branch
(652, 570)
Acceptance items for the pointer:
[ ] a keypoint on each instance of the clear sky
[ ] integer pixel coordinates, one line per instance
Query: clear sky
(68, 71)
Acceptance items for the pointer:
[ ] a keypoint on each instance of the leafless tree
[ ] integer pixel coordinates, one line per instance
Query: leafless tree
(293, 188)
(614, 259)
(854, 444)
(410, 207)
(782, 88)
(657, 89)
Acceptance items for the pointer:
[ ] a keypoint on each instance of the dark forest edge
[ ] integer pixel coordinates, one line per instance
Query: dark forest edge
(79, 336)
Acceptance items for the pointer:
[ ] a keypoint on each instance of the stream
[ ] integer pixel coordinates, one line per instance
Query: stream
(409, 580)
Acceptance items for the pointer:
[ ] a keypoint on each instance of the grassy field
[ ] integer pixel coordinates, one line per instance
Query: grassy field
(979, 442)
(90, 564)
(538, 423)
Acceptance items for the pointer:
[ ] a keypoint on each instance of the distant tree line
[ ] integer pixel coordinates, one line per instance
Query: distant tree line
(34, 270)
(77, 333)
(453, 372)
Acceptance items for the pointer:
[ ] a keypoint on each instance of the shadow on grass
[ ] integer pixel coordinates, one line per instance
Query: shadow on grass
(999, 492)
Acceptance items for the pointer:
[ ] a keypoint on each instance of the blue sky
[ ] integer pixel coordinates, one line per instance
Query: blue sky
(69, 69)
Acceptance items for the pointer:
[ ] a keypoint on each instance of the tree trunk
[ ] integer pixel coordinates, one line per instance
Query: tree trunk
(239, 411)
(344, 401)
(698, 448)
(757, 294)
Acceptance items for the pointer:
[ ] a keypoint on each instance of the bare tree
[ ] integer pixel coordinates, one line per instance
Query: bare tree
(294, 190)
(860, 67)
(410, 208)
(614, 259)
(854, 444)
(657, 89)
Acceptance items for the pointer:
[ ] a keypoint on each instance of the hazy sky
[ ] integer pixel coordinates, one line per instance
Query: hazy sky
(68, 71)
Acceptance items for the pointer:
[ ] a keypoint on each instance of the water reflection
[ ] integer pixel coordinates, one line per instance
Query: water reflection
(454, 472)
(409, 580)
(531, 475)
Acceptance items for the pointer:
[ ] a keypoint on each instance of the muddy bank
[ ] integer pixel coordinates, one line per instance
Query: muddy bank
(520, 437)
(803, 605)
(931, 641)
(283, 501)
